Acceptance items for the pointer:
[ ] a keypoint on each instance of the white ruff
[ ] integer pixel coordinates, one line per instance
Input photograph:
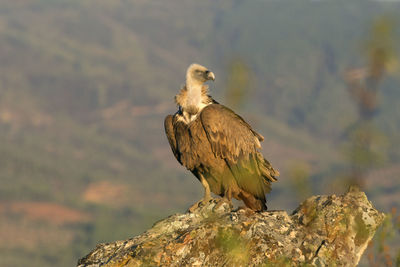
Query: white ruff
(194, 100)
(194, 97)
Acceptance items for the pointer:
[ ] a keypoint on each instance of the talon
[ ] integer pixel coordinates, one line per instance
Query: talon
(200, 204)
(194, 207)
(221, 201)
(246, 210)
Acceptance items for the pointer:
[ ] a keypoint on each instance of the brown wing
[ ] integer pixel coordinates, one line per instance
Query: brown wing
(169, 131)
(184, 146)
(229, 135)
(234, 140)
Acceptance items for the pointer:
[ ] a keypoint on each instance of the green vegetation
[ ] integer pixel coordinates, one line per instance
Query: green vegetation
(233, 245)
(85, 85)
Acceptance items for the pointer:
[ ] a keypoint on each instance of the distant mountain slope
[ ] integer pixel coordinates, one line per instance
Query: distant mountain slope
(100, 53)
(85, 85)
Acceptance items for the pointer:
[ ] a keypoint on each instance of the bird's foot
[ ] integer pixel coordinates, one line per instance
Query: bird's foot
(246, 210)
(199, 204)
(221, 202)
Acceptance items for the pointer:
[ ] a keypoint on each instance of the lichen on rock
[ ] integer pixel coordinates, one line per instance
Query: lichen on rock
(322, 231)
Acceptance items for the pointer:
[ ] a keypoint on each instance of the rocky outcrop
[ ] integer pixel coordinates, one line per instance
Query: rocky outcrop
(322, 231)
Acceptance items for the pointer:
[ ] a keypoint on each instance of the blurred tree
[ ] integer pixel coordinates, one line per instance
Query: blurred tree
(379, 250)
(238, 84)
(364, 148)
(366, 143)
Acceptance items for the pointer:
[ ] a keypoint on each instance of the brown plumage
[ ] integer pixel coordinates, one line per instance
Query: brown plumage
(217, 145)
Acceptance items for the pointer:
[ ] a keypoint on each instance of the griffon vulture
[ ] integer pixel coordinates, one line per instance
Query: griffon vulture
(218, 146)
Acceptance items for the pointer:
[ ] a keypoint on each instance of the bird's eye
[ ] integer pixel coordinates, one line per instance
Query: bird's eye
(198, 71)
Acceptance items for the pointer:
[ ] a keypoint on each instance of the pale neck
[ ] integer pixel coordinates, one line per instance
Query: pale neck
(194, 92)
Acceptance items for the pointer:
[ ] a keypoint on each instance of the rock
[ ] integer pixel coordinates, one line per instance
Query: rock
(322, 231)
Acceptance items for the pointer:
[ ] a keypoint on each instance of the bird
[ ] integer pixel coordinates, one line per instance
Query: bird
(217, 145)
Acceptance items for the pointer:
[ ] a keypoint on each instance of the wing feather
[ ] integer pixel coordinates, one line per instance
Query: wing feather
(229, 135)
(233, 139)
(170, 132)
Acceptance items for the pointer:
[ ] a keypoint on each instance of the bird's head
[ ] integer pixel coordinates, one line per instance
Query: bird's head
(198, 74)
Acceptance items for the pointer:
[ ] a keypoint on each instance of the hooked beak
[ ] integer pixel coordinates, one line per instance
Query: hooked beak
(210, 75)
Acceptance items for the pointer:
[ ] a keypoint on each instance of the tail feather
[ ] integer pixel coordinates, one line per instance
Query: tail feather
(254, 175)
(266, 169)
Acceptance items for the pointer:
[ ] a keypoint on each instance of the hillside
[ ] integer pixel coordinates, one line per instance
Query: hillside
(85, 85)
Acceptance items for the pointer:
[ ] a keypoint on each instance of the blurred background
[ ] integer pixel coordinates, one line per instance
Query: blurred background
(85, 87)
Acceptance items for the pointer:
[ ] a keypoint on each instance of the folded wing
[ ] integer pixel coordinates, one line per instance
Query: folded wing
(233, 139)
